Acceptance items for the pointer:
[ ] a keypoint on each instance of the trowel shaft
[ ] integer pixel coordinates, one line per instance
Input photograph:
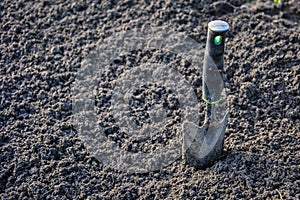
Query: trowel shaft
(213, 67)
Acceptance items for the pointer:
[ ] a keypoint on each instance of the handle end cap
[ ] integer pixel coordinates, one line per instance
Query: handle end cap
(218, 26)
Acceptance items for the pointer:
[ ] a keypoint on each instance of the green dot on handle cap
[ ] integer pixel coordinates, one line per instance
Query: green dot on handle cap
(218, 39)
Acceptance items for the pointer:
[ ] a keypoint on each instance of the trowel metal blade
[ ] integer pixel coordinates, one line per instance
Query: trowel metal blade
(203, 145)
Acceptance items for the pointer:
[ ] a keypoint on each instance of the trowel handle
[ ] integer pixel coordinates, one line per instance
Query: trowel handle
(214, 61)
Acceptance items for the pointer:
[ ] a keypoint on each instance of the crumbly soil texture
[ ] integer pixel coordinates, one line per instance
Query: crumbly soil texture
(43, 47)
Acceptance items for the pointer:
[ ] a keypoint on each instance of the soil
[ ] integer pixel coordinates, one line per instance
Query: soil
(43, 47)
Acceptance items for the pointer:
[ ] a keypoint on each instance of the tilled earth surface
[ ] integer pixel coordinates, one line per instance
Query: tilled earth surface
(42, 47)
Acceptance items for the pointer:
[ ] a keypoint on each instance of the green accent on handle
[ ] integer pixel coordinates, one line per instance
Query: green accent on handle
(211, 102)
(218, 40)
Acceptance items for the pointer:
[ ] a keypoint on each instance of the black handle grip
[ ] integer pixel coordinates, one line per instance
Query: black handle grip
(214, 61)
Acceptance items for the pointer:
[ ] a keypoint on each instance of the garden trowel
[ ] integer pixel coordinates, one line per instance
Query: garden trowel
(203, 145)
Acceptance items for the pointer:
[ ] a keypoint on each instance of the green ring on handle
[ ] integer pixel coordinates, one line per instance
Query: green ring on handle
(211, 102)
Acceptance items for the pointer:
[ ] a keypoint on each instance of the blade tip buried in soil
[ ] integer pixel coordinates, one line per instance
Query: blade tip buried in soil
(202, 146)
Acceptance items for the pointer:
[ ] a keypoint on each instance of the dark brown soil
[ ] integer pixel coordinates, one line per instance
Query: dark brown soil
(42, 46)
